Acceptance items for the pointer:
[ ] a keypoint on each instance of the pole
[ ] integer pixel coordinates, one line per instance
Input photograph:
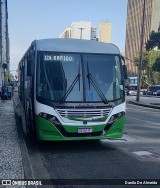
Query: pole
(141, 51)
(7, 37)
(0, 34)
(81, 28)
(0, 42)
(81, 33)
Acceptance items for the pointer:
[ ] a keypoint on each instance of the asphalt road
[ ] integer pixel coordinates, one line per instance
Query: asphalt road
(136, 156)
(146, 99)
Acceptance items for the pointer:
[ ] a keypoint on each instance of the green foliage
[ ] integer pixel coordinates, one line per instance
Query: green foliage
(145, 60)
(156, 65)
(145, 81)
(154, 41)
(153, 55)
(150, 67)
(156, 77)
(148, 59)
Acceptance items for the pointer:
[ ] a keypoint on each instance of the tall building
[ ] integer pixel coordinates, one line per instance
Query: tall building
(134, 26)
(66, 33)
(105, 32)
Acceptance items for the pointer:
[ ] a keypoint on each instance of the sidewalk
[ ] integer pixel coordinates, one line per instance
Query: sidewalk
(11, 166)
(146, 101)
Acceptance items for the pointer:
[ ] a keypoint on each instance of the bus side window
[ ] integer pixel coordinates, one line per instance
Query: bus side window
(30, 59)
(29, 67)
(21, 87)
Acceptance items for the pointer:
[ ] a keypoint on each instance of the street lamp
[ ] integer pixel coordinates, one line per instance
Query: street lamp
(81, 28)
(141, 51)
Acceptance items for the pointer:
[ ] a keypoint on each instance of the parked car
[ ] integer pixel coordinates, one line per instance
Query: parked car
(132, 92)
(152, 90)
(158, 93)
(144, 91)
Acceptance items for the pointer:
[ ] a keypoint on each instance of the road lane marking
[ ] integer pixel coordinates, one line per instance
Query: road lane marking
(147, 155)
(142, 153)
(155, 123)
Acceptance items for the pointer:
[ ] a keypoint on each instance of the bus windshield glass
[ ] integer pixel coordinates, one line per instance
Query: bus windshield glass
(73, 77)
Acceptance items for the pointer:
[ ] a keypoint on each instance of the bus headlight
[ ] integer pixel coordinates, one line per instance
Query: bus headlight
(115, 117)
(50, 118)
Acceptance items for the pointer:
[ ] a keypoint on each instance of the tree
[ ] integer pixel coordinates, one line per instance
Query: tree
(145, 81)
(145, 60)
(156, 65)
(148, 61)
(154, 41)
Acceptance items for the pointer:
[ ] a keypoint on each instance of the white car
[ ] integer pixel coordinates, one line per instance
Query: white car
(134, 92)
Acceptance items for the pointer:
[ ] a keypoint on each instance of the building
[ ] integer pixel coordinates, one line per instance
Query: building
(4, 42)
(105, 32)
(80, 30)
(83, 30)
(66, 33)
(134, 26)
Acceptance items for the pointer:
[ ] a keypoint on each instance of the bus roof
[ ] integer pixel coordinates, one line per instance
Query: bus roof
(76, 45)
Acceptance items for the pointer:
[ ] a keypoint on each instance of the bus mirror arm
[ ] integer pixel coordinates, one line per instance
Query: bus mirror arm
(125, 72)
(123, 59)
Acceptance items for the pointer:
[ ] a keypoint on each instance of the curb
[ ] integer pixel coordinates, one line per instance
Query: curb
(145, 105)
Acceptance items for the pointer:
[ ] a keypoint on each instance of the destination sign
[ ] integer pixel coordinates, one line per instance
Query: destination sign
(58, 58)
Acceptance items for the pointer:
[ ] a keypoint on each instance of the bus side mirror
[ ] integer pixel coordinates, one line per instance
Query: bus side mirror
(125, 72)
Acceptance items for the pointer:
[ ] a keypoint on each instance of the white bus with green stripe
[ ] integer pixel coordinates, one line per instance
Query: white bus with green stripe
(72, 89)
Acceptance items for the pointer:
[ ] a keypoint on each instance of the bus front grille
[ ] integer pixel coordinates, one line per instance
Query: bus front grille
(83, 113)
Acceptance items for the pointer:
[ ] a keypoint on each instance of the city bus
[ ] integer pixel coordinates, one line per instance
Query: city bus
(71, 89)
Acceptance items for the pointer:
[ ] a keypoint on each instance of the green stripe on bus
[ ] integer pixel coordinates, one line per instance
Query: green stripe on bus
(47, 131)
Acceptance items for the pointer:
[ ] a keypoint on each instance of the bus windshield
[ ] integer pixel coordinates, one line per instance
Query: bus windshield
(73, 77)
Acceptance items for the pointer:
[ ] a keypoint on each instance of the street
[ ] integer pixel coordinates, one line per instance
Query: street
(135, 156)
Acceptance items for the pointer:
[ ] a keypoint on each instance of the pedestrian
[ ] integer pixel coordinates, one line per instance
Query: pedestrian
(12, 89)
(9, 91)
(4, 92)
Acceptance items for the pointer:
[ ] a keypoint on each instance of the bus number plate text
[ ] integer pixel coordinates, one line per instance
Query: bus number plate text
(85, 130)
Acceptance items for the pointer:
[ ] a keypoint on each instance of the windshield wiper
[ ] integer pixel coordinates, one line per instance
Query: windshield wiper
(72, 86)
(95, 85)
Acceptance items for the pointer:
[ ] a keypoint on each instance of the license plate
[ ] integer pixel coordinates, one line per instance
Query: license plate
(84, 130)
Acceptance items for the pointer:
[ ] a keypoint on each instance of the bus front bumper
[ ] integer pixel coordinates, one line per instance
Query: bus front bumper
(47, 131)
